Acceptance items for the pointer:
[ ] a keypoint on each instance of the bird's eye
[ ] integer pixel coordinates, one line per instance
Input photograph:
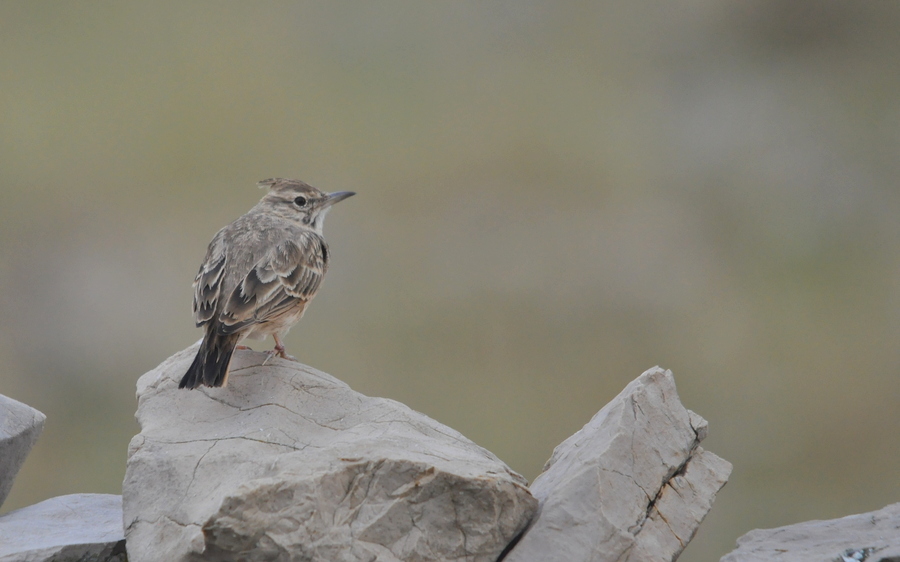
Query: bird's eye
(300, 201)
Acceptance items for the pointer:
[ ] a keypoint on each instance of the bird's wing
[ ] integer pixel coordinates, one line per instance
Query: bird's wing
(291, 270)
(208, 283)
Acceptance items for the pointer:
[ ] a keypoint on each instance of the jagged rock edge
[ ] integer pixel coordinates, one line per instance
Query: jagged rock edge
(680, 470)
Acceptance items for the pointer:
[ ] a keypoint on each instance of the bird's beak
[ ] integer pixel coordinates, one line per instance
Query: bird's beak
(337, 196)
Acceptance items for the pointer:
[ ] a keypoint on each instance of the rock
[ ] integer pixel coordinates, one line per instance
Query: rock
(631, 485)
(74, 528)
(288, 463)
(872, 537)
(20, 426)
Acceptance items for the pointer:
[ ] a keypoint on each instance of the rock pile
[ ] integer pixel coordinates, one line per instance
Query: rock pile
(288, 463)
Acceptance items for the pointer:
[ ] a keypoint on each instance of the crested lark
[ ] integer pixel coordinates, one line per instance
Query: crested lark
(259, 275)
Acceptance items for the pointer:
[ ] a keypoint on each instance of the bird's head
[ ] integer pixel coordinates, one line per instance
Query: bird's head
(299, 201)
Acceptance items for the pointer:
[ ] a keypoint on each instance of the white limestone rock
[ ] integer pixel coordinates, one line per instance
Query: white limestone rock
(288, 463)
(74, 528)
(20, 427)
(632, 485)
(869, 537)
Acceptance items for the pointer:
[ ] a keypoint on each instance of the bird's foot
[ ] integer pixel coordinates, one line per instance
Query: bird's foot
(280, 352)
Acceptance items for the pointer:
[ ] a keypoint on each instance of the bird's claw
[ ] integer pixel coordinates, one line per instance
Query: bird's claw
(280, 352)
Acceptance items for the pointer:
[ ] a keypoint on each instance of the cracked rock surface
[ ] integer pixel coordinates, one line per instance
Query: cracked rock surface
(869, 537)
(74, 528)
(20, 427)
(288, 463)
(632, 485)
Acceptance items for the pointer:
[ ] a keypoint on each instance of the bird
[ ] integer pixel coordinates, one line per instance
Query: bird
(259, 275)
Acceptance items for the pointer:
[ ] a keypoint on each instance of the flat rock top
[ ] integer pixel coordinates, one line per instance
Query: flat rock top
(62, 521)
(872, 537)
(293, 407)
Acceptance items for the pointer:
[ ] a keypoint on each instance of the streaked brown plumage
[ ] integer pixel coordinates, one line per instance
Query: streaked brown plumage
(259, 275)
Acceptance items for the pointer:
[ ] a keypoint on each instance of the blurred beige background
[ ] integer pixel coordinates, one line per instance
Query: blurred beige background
(552, 198)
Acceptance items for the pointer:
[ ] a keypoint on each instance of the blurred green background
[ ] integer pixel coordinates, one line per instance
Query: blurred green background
(552, 198)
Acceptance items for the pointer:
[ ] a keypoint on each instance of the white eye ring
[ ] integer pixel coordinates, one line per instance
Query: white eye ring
(301, 201)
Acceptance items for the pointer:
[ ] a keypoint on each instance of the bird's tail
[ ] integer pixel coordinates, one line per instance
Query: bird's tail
(210, 366)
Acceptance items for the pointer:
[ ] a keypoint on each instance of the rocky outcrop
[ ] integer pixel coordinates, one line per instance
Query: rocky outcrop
(869, 537)
(632, 485)
(288, 463)
(20, 427)
(73, 528)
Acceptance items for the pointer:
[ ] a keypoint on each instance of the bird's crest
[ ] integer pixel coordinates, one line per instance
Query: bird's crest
(269, 183)
(283, 184)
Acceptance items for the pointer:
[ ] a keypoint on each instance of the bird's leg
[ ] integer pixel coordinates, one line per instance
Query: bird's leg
(279, 351)
(279, 347)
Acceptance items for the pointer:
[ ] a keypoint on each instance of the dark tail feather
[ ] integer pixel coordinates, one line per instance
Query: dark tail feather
(210, 366)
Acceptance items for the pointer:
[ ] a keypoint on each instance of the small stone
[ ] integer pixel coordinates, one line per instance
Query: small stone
(631, 485)
(74, 528)
(20, 427)
(288, 463)
(866, 537)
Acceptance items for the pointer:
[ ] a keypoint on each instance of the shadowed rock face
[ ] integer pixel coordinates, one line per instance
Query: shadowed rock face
(869, 537)
(631, 485)
(288, 463)
(20, 427)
